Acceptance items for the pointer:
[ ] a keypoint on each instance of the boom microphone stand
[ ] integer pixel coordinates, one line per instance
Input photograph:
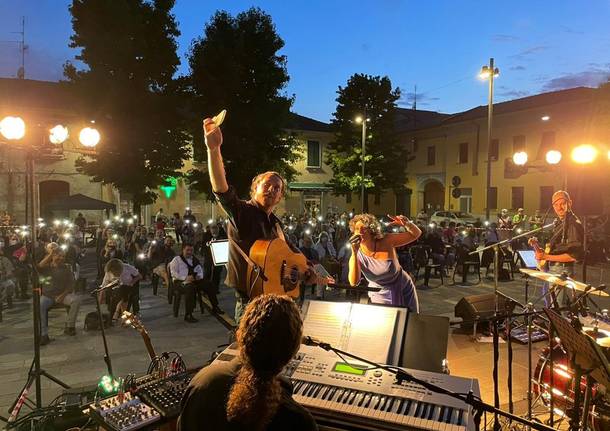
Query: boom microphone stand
(496, 341)
(478, 406)
(99, 313)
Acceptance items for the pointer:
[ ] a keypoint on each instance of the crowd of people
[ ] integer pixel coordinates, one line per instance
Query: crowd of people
(163, 254)
(175, 251)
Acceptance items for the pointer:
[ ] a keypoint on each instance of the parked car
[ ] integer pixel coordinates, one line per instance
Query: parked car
(453, 216)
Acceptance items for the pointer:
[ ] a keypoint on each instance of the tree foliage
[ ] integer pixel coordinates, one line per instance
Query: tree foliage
(236, 66)
(373, 97)
(128, 48)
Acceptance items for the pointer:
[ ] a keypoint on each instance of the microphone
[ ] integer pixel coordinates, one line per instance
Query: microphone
(311, 341)
(355, 239)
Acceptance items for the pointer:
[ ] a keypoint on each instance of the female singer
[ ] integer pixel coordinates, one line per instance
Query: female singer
(374, 257)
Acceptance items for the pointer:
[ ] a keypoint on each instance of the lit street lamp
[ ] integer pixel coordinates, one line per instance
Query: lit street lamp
(13, 129)
(489, 72)
(58, 134)
(520, 158)
(89, 137)
(584, 154)
(363, 121)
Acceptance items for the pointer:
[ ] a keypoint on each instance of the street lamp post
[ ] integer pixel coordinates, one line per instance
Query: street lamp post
(14, 129)
(363, 120)
(489, 72)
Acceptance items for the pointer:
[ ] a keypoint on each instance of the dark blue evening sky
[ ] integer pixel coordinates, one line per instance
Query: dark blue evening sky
(437, 45)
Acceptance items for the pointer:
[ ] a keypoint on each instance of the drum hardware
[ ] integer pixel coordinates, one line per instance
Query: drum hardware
(586, 359)
(496, 342)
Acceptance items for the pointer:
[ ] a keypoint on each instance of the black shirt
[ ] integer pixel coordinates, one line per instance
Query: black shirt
(249, 223)
(204, 404)
(58, 280)
(568, 240)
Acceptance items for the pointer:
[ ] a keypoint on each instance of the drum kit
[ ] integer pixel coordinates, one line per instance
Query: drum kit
(560, 364)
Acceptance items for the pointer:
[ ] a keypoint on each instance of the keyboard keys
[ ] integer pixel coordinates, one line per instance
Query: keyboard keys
(417, 414)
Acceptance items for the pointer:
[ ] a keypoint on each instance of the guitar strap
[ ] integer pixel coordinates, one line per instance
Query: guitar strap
(279, 232)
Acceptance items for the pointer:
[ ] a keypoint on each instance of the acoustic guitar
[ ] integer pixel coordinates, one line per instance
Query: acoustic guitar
(281, 270)
(540, 264)
(133, 321)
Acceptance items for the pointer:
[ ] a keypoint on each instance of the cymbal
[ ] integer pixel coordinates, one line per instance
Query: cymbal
(561, 281)
(604, 342)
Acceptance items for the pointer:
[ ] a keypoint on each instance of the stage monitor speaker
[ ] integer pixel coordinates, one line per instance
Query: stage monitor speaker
(426, 342)
(475, 307)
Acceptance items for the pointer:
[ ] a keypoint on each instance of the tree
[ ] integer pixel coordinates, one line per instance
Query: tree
(236, 66)
(373, 97)
(129, 48)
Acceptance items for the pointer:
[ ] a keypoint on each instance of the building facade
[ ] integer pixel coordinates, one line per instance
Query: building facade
(457, 147)
(441, 147)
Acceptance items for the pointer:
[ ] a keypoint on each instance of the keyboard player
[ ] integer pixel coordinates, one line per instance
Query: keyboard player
(246, 392)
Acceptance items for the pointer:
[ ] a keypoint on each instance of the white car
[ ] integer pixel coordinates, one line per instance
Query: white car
(453, 216)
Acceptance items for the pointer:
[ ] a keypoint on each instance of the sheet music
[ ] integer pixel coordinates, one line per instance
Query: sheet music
(371, 331)
(327, 321)
(364, 330)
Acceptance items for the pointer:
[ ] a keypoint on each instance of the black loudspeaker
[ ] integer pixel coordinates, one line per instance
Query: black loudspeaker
(475, 307)
(426, 340)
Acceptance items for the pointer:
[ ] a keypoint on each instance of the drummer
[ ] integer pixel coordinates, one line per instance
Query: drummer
(566, 242)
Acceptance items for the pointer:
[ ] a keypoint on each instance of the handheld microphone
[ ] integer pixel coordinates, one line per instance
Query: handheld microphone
(355, 239)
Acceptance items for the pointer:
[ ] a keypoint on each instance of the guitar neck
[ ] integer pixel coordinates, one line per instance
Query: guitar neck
(149, 347)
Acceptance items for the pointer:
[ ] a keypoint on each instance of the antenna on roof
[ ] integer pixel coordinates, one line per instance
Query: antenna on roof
(22, 48)
(415, 107)
(415, 98)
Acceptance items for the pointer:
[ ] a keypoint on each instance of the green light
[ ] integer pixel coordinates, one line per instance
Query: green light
(169, 187)
(108, 385)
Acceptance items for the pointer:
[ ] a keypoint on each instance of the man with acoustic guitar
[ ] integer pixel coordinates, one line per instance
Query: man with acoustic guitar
(250, 220)
(565, 246)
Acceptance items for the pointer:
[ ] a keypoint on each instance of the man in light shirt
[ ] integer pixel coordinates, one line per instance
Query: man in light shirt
(187, 275)
(128, 292)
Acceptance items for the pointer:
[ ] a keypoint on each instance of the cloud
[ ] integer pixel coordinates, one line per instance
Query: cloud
(527, 53)
(513, 94)
(517, 68)
(587, 78)
(503, 38)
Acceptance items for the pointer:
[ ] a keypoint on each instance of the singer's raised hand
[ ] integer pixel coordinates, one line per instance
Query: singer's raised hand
(212, 133)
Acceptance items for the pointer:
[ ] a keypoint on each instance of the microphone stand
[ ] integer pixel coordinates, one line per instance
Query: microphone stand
(496, 339)
(99, 314)
(479, 407)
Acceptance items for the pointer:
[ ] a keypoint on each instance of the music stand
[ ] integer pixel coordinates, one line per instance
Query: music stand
(586, 359)
(220, 252)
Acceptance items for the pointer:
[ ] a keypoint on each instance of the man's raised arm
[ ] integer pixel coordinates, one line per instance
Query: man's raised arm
(216, 169)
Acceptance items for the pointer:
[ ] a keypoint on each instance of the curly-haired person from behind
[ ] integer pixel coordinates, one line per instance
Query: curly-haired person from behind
(247, 393)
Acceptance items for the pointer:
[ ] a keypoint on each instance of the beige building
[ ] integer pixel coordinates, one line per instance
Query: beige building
(441, 147)
(456, 146)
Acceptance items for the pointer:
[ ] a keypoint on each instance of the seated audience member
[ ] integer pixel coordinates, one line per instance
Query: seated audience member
(57, 288)
(159, 255)
(187, 275)
(247, 393)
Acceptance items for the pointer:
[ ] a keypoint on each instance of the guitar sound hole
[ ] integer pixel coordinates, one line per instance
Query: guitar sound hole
(294, 275)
